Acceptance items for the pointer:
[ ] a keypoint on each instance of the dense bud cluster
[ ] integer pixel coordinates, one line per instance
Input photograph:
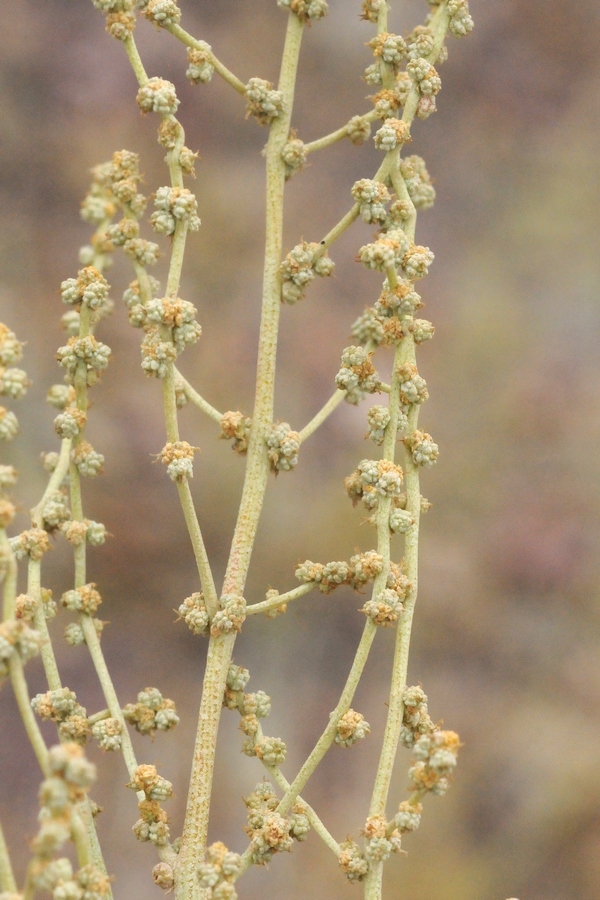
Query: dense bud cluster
(235, 426)
(362, 568)
(282, 447)
(230, 617)
(17, 639)
(85, 599)
(306, 10)
(158, 96)
(393, 133)
(173, 205)
(351, 728)
(357, 375)
(178, 457)
(194, 613)
(300, 267)
(151, 713)
(270, 832)
(263, 101)
(199, 69)
(162, 12)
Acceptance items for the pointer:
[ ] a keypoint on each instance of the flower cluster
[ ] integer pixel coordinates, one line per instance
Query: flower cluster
(352, 862)
(357, 375)
(418, 182)
(151, 713)
(423, 449)
(389, 48)
(372, 198)
(415, 720)
(413, 388)
(179, 316)
(385, 608)
(306, 10)
(32, 543)
(85, 599)
(270, 832)
(90, 288)
(86, 352)
(235, 426)
(162, 12)
(393, 133)
(378, 418)
(200, 69)
(218, 872)
(152, 824)
(262, 101)
(194, 613)
(230, 617)
(362, 568)
(282, 447)
(373, 479)
(294, 156)
(88, 461)
(17, 639)
(299, 268)
(386, 252)
(178, 457)
(158, 96)
(173, 205)
(461, 22)
(351, 728)
(435, 760)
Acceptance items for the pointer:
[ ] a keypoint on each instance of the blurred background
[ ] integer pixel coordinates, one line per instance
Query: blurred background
(507, 630)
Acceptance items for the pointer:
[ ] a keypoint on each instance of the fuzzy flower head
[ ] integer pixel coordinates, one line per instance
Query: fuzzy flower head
(263, 101)
(158, 96)
(178, 457)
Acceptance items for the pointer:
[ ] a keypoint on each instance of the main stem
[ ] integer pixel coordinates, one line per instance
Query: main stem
(257, 470)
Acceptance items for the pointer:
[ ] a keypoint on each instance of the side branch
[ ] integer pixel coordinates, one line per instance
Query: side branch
(182, 35)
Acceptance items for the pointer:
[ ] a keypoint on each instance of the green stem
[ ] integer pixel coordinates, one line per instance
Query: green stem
(195, 398)
(274, 602)
(7, 876)
(338, 135)
(187, 39)
(257, 471)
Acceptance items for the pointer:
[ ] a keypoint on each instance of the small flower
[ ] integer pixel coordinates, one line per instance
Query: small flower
(423, 449)
(235, 426)
(146, 779)
(294, 156)
(178, 457)
(9, 425)
(358, 129)
(194, 614)
(306, 10)
(200, 69)
(351, 728)
(352, 862)
(13, 383)
(393, 133)
(384, 253)
(424, 76)
(372, 197)
(282, 447)
(11, 350)
(416, 262)
(262, 101)
(299, 268)
(357, 374)
(88, 461)
(162, 12)
(368, 328)
(159, 96)
(230, 617)
(108, 734)
(378, 418)
(390, 48)
(385, 609)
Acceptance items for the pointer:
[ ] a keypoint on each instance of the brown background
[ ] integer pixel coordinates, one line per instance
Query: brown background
(507, 631)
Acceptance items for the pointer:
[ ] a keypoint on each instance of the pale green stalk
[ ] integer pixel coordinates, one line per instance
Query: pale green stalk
(195, 398)
(328, 736)
(257, 471)
(7, 876)
(21, 692)
(219, 68)
(338, 135)
(324, 413)
(280, 599)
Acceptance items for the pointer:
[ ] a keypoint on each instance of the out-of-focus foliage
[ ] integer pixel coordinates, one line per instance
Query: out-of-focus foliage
(507, 640)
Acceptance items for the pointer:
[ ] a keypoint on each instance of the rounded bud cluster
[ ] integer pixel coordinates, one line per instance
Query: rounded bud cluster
(424, 76)
(146, 779)
(194, 614)
(389, 48)
(120, 25)
(88, 461)
(157, 355)
(87, 351)
(393, 133)
(423, 449)
(17, 638)
(141, 251)
(416, 262)
(68, 761)
(270, 832)
(177, 315)
(162, 12)
(351, 728)
(402, 301)
(306, 10)
(152, 826)
(358, 129)
(173, 205)
(262, 101)
(282, 447)
(163, 876)
(9, 425)
(8, 512)
(230, 617)
(158, 96)
(352, 862)
(378, 418)
(387, 102)
(90, 288)
(401, 521)
(420, 42)
(200, 69)
(123, 231)
(218, 872)
(435, 756)
(151, 713)
(357, 374)
(70, 422)
(26, 607)
(58, 705)
(13, 383)
(385, 609)
(408, 817)
(11, 349)
(108, 734)
(372, 197)
(178, 457)
(300, 267)
(74, 634)
(33, 543)
(294, 156)
(415, 718)
(85, 599)
(368, 328)
(461, 22)
(235, 426)
(413, 388)
(418, 182)
(384, 477)
(386, 252)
